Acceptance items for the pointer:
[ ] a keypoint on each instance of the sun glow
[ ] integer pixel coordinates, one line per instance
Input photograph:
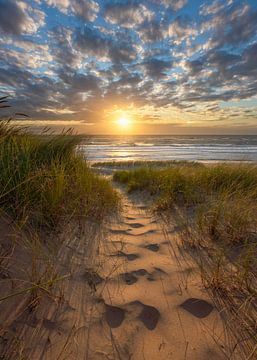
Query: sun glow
(123, 121)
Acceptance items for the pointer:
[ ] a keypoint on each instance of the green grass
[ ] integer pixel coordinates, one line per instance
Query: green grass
(44, 182)
(138, 163)
(190, 183)
(223, 196)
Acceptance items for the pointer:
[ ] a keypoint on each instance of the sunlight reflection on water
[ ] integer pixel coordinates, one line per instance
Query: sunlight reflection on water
(171, 148)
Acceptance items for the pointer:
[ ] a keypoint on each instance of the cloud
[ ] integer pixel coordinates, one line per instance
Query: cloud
(62, 5)
(156, 68)
(215, 7)
(151, 31)
(246, 69)
(80, 82)
(127, 13)
(222, 75)
(92, 42)
(129, 80)
(18, 17)
(32, 60)
(232, 26)
(62, 47)
(173, 4)
(84, 9)
(218, 60)
(182, 29)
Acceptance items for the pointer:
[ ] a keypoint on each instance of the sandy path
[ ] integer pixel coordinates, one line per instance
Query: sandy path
(144, 300)
(152, 304)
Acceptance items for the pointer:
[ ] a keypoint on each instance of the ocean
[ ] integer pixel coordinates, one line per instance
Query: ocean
(168, 147)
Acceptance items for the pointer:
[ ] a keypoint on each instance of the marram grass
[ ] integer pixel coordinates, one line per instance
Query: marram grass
(130, 164)
(224, 196)
(43, 181)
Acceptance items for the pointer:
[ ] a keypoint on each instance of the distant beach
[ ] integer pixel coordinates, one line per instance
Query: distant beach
(159, 147)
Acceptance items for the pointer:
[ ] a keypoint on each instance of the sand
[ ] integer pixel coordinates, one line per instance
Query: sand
(139, 298)
(152, 304)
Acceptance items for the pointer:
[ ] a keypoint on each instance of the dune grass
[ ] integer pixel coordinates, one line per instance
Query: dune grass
(44, 182)
(223, 196)
(141, 163)
(191, 183)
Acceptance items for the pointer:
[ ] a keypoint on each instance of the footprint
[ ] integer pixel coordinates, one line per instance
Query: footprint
(53, 325)
(149, 316)
(49, 325)
(120, 232)
(150, 278)
(145, 233)
(129, 278)
(92, 278)
(140, 272)
(135, 225)
(114, 315)
(130, 257)
(156, 274)
(153, 247)
(160, 270)
(197, 307)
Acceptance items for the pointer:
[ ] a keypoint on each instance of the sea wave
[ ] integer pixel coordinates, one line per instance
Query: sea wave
(170, 148)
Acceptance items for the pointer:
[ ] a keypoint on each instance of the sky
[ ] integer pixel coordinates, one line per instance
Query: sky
(165, 66)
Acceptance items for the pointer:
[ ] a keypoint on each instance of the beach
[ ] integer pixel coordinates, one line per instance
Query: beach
(212, 148)
(128, 180)
(157, 261)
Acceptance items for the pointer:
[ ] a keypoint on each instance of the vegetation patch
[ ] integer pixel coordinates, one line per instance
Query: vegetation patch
(44, 182)
(140, 163)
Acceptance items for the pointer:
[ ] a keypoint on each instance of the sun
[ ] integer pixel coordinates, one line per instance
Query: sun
(123, 121)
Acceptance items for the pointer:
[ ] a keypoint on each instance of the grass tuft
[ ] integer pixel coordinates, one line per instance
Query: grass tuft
(132, 164)
(44, 182)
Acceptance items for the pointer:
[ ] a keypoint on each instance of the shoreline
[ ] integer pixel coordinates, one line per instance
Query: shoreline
(168, 148)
